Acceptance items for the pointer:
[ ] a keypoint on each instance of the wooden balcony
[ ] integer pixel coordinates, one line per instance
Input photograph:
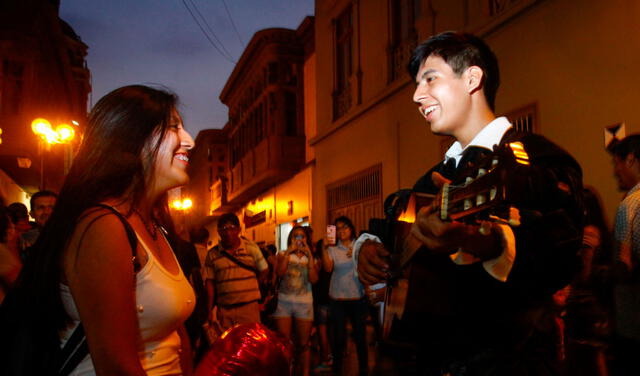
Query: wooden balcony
(273, 160)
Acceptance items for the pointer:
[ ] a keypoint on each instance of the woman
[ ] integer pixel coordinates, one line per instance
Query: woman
(134, 150)
(346, 294)
(297, 269)
(9, 261)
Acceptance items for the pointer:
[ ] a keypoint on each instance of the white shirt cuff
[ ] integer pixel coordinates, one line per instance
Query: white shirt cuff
(356, 248)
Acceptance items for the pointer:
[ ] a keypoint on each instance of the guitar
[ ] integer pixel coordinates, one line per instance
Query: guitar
(487, 196)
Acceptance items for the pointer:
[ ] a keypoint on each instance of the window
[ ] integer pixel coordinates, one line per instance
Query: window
(403, 35)
(290, 102)
(272, 72)
(12, 84)
(344, 63)
(499, 6)
(524, 119)
(359, 197)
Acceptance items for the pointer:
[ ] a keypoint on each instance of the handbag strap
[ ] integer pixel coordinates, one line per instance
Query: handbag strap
(76, 348)
(238, 262)
(73, 351)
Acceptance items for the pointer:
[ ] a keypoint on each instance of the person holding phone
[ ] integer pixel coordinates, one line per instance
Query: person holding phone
(297, 270)
(346, 295)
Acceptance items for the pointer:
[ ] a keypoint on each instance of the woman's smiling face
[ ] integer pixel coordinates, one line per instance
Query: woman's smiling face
(172, 160)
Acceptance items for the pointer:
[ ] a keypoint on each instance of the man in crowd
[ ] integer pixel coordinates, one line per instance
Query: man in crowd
(42, 204)
(233, 269)
(626, 166)
(478, 292)
(200, 238)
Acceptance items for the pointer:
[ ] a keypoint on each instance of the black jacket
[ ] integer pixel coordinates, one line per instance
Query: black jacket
(461, 310)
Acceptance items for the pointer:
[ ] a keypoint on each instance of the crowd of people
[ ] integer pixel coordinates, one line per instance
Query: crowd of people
(102, 282)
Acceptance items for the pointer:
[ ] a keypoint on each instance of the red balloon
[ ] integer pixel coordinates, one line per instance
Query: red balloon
(248, 349)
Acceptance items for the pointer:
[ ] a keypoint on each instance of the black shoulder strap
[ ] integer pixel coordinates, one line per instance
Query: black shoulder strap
(73, 351)
(76, 348)
(238, 262)
(131, 235)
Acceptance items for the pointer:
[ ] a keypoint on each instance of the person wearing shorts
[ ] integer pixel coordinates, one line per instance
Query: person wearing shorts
(297, 270)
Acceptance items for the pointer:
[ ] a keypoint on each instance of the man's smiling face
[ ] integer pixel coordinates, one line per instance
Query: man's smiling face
(442, 96)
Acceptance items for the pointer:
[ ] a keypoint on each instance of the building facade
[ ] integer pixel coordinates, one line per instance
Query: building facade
(267, 162)
(43, 74)
(370, 139)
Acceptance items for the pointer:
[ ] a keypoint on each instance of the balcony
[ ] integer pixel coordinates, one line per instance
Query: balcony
(273, 160)
(219, 199)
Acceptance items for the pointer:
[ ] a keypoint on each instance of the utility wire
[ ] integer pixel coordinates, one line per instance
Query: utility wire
(210, 29)
(232, 23)
(207, 35)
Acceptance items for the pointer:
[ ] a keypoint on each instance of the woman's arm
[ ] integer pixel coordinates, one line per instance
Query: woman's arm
(186, 354)
(99, 272)
(282, 262)
(312, 266)
(327, 261)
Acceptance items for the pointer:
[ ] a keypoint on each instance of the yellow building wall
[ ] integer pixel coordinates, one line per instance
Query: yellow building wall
(573, 59)
(577, 63)
(310, 112)
(385, 128)
(275, 203)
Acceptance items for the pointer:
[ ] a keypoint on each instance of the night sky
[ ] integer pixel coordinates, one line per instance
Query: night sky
(158, 42)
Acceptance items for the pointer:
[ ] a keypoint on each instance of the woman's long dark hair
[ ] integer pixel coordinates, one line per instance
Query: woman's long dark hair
(306, 235)
(115, 160)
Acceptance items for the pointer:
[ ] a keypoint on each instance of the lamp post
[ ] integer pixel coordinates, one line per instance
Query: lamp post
(184, 204)
(63, 134)
(182, 207)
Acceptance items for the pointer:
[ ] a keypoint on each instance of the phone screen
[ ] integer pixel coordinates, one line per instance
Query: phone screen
(331, 234)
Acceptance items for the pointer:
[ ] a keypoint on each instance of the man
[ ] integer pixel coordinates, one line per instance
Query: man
(200, 238)
(42, 204)
(233, 268)
(626, 167)
(478, 292)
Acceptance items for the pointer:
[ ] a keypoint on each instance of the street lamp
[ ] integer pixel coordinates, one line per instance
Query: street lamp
(63, 134)
(184, 204)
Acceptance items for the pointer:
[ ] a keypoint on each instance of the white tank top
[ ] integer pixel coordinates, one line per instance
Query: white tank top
(163, 302)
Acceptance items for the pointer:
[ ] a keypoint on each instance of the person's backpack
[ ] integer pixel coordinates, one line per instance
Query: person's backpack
(30, 343)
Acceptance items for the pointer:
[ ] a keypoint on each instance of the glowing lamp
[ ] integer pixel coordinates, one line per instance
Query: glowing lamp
(40, 126)
(65, 133)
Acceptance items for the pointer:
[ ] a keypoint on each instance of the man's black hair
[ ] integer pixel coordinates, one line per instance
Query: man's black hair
(228, 218)
(626, 146)
(199, 235)
(40, 194)
(18, 211)
(460, 51)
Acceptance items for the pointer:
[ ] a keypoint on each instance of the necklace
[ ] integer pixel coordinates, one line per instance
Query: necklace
(152, 228)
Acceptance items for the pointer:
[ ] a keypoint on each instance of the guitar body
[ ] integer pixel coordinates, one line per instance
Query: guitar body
(403, 246)
(395, 299)
(485, 195)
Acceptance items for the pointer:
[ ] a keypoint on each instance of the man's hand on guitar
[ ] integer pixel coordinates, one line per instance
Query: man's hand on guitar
(450, 237)
(372, 263)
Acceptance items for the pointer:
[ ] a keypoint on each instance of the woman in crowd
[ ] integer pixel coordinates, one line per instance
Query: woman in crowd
(297, 270)
(347, 296)
(588, 308)
(321, 312)
(103, 258)
(9, 261)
